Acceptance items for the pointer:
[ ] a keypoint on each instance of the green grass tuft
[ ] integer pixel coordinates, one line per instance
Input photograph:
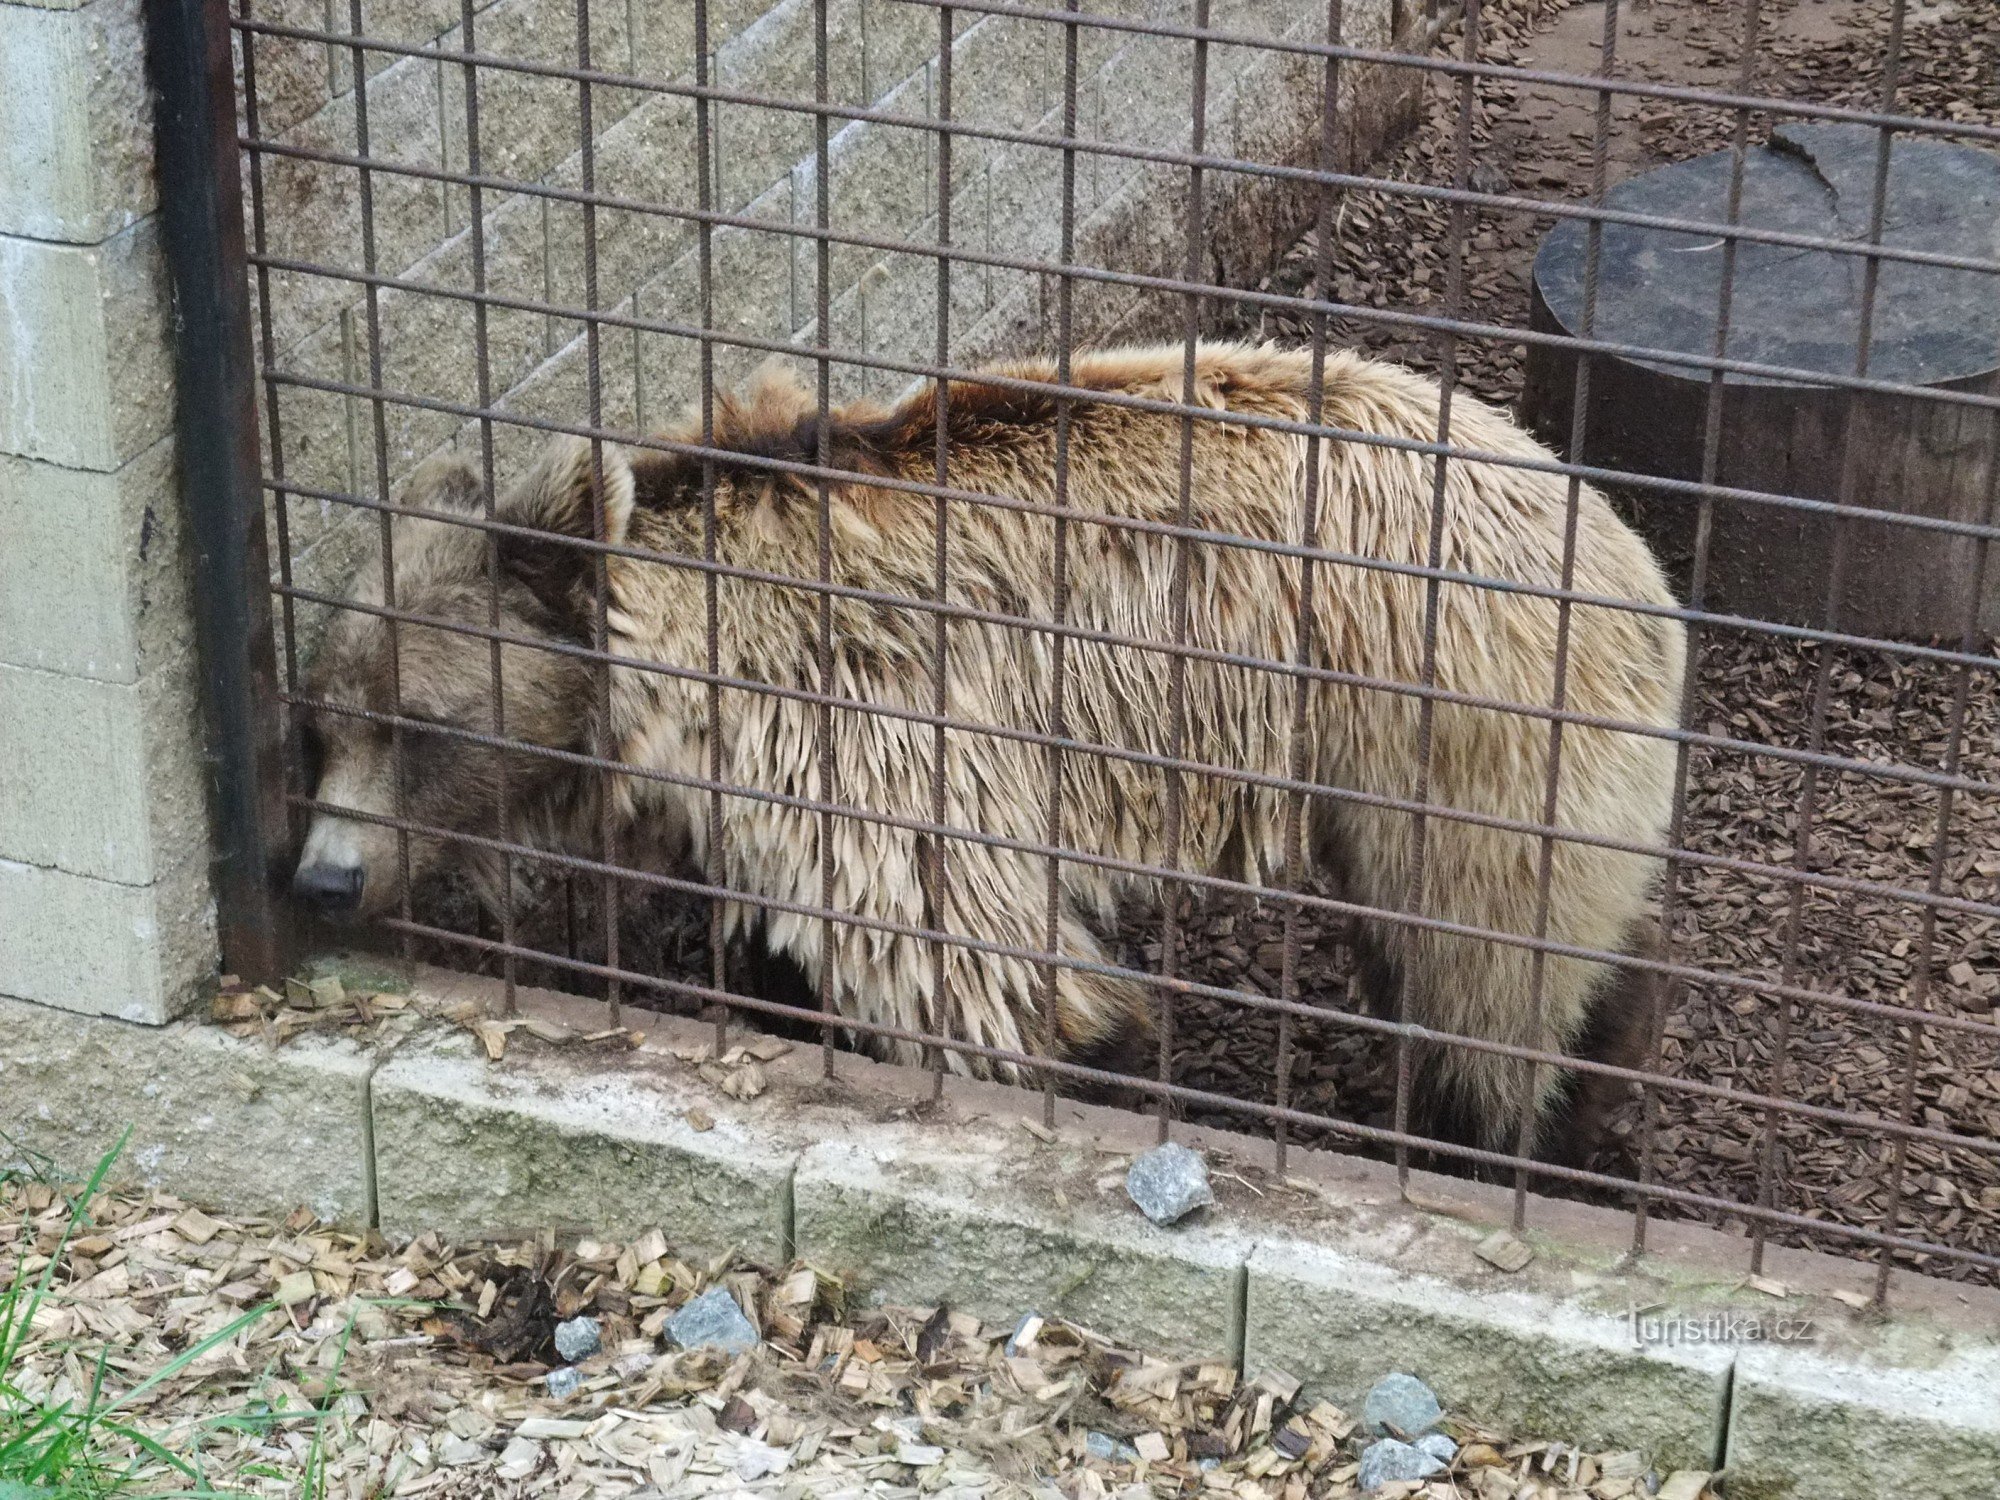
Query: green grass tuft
(71, 1450)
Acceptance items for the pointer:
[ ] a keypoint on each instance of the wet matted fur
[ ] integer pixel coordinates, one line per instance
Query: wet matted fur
(1374, 502)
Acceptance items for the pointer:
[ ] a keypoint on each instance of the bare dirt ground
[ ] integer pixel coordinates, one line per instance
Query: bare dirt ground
(331, 1366)
(1392, 253)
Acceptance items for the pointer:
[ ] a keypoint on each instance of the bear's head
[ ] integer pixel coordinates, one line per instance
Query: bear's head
(431, 686)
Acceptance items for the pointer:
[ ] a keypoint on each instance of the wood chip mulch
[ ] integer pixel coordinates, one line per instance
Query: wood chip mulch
(420, 1370)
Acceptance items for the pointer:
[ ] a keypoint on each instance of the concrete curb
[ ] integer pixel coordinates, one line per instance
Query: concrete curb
(1802, 1426)
(474, 1151)
(999, 1224)
(924, 1195)
(1516, 1358)
(232, 1124)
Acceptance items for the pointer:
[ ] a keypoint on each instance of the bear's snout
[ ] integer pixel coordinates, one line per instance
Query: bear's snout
(332, 890)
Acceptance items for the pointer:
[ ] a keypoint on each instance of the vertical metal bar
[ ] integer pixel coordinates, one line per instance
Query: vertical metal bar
(1823, 677)
(1926, 960)
(609, 890)
(1711, 459)
(294, 757)
(378, 406)
(717, 866)
(201, 213)
(1059, 605)
(823, 457)
(941, 642)
(1524, 1142)
(1920, 988)
(482, 359)
(1170, 830)
(1447, 359)
(1302, 765)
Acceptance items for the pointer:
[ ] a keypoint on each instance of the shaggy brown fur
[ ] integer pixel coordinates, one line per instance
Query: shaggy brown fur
(1374, 502)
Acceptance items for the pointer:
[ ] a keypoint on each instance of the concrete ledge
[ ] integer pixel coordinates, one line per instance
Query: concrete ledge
(997, 1224)
(1803, 1426)
(1521, 1359)
(475, 1150)
(231, 1124)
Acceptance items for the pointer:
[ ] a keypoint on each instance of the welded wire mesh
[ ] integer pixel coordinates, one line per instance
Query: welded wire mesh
(472, 230)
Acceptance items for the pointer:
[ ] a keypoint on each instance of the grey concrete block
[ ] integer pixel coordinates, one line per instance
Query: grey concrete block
(294, 78)
(1807, 1427)
(997, 1224)
(472, 1149)
(83, 785)
(529, 124)
(316, 207)
(1521, 1357)
(76, 122)
(774, 59)
(137, 952)
(86, 366)
(229, 1124)
(93, 578)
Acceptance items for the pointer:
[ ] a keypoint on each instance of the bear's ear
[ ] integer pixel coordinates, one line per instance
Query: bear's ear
(559, 497)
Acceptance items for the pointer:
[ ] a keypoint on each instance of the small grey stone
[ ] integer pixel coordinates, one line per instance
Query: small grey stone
(564, 1382)
(1169, 1183)
(1014, 1339)
(1387, 1460)
(1100, 1445)
(1440, 1447)
(712, 1321)
(578, 1339)
(1400, 1405)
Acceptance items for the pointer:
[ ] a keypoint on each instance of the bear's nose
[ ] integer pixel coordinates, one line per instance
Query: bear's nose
(334, 890)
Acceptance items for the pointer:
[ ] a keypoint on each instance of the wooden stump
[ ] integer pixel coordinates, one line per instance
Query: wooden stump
(1932, 327)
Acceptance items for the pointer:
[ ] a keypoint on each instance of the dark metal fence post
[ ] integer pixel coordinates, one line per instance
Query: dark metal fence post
(201, 213)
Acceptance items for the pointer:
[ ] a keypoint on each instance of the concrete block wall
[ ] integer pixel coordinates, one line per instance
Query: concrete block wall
(881, 54)
(104, 901)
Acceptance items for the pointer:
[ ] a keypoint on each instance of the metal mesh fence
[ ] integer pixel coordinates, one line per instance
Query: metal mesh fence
(1278, 738)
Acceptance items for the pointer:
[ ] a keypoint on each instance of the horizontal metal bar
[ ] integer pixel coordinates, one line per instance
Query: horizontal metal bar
(1085, 395)
(1300, 899)
(1276, 301)
(1783, 874)
(1248, 1000)
(1742, 623)
(1152, 155)
(1877, 770)
(1591, 83)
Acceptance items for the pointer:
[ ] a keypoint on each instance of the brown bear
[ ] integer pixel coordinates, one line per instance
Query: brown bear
(1244, 596)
